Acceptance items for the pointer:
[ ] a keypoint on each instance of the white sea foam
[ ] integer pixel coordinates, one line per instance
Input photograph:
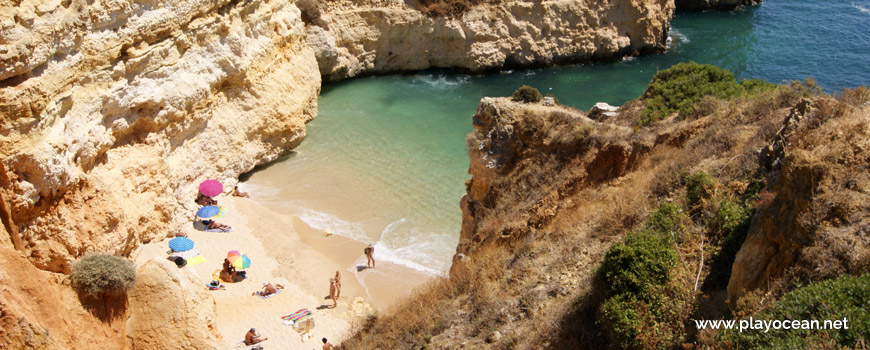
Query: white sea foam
(861, 8)
(676, 37)
(332, 224)
(442, 81)
(423, 251)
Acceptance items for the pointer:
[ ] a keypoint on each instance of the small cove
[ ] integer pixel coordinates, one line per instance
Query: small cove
(385, 160)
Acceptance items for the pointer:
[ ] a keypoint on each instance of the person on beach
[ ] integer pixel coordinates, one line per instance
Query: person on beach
(202, 199)
(326, 345)
(228, 272)
(214, 225)
(337, 285)
(238, 193)
(252, 337)
(332, 293)
(269, 289)
(370, 260)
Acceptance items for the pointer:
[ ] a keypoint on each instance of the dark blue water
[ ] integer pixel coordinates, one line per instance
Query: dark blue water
(386, 158)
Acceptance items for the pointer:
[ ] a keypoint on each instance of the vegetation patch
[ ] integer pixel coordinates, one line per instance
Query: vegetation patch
(527, 94)
(846, 297)
(101, 275)
(680, 88)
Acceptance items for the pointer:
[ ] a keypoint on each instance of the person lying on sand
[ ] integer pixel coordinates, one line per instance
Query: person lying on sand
(252, 337)
(268, 289)
(214, 225)
(202, 199)
(238, 193)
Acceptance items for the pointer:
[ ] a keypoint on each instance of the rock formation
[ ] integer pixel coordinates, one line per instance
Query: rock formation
(39, 310)
(699, 5)
(815, 225)
(169, 309)
(113, 111)
(380, 39)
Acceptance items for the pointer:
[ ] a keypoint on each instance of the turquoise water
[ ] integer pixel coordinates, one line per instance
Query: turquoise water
(385, 161)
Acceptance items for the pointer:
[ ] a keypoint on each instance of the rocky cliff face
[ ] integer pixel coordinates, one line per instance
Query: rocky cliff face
(169, 309)
(699, 5)
(815, 225)
(382, 39)
(112, 111)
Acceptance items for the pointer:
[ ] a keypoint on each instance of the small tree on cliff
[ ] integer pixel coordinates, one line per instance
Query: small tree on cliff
(103, 278)
(527, 94)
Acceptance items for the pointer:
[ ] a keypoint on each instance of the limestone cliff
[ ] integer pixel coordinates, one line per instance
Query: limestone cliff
(815, 225)
(169, 309)
(112, 111)
(379, 39)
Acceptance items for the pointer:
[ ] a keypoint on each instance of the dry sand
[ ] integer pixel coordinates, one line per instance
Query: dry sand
(284, 250)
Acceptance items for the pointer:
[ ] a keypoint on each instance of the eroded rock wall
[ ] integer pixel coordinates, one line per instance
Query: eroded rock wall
(381, 39)
(112, 111)
(169, 309)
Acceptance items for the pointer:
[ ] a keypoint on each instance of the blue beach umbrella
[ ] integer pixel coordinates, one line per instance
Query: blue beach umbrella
(180, 244)
(208, 211)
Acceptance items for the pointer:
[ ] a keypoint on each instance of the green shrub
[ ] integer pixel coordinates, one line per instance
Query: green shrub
(844, 297)
(639, 264)
(699, 187)
(754, 86)
(679, 88)
(621, 321)
(100, 275)
(527, 94)
(666, 220)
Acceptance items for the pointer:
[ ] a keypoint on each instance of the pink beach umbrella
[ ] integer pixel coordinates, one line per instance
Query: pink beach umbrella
(211, 188)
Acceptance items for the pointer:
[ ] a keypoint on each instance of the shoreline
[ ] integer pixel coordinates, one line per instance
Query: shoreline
(285, 250)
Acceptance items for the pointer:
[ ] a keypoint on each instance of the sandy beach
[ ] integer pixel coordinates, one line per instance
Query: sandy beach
(285, 250)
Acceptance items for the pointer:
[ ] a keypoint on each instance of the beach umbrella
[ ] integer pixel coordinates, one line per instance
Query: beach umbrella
(233, 252)
(208, 211)
(211, 188)
(240, 261)
(180, 244)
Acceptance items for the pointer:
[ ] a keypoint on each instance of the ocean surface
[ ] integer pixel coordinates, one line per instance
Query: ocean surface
(385, 160)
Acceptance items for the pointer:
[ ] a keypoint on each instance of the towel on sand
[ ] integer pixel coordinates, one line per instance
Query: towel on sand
(196, 260)
(297, 316)
(262, 294)
(218, 229)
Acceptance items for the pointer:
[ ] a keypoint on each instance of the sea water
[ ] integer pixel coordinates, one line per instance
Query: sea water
(385, 160)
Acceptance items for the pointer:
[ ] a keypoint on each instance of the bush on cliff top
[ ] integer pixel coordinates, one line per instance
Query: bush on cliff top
(845, 297)
(99, 275)
(639, 264)
(527, 94)
(679, 88)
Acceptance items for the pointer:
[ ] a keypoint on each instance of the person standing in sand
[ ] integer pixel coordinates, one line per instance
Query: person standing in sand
(327, 345)
(337, 285)
(332, 293)
(370, 260)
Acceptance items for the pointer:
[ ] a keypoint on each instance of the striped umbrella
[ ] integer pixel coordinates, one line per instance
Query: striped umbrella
(240, 262)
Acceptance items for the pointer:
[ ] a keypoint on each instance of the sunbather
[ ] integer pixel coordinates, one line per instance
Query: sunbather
(202, 199)
(238, 193)
(337, 285)
(214, 225)
(269, 289)
(252, 337)
(332, 293)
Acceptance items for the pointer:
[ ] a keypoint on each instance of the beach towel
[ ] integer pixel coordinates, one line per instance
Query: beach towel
(261, 294)
(199, 259)
(218, 229)
(214, 287)
(296, 317)
(221, 213)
